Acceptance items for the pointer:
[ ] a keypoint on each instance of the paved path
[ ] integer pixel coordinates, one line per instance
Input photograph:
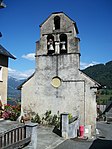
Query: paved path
(70, 144)
(46, 139)
(106, 130)
(104, 140)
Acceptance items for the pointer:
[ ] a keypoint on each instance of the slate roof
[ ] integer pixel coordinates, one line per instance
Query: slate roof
(4, 52)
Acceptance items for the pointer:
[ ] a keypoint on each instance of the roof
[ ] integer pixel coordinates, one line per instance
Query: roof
(20, 86)
(4, 52)
(96, 83)
(108, 106)
(65, 15)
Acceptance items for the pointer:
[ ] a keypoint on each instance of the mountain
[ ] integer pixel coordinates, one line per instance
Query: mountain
(13, 83)
(102, 73)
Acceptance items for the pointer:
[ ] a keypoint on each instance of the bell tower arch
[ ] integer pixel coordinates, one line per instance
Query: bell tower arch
(63, 43)
(50, 44)
(56, 22)
(58, 35)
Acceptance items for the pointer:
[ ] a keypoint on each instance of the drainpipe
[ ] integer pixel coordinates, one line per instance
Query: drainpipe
(84, 105)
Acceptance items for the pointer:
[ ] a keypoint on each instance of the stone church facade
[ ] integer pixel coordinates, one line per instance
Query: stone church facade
(58, 84)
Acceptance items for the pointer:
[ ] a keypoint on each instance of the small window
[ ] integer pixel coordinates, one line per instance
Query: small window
(56, 82)
(57, 22)
(0, 73)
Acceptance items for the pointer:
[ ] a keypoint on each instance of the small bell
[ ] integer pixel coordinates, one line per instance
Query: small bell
(51, 47)
(63, 46)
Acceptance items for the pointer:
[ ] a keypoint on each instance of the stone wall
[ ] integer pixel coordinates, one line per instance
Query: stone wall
(90, 101)
(73, 96)
(28, 96)
(66, 26)
(68, 94)
(76, 93)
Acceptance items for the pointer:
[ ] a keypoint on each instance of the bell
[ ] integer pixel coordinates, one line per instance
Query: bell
(63, 46)
(51, 47)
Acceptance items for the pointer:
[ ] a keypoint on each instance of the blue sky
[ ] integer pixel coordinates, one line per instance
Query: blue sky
(20, 20)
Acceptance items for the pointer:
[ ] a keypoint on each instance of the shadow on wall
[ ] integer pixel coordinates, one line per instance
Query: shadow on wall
(101, 144)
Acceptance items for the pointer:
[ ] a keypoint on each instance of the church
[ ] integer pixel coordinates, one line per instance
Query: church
(58, 84)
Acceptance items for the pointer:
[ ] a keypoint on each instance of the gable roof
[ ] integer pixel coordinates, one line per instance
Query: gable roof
(65, 15)
(4, 52)
(20, 86)
(96, 83)
(108, 106)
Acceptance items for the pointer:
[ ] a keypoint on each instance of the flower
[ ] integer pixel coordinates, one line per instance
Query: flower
(6, 115)
(11, 112)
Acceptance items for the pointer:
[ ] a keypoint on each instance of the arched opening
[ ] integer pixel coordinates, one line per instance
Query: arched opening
(63, 43)
(57, 22)
(50, 44)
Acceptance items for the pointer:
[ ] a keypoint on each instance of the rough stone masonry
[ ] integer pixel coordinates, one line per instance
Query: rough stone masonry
(58, 84)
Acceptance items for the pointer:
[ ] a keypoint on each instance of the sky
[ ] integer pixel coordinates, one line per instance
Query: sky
(20, 20)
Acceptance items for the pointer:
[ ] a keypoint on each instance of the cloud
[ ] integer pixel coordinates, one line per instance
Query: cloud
(84, 65)
(20, 75)
(30, 56)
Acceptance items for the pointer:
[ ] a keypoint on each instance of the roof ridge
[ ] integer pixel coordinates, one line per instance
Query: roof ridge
(4, 52)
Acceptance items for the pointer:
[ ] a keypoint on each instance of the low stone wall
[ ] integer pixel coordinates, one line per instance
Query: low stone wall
(73, 128)
(69, 130)
(31, 130)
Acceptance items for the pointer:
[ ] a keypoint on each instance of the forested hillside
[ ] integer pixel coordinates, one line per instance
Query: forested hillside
(102, 73)
(13, 83)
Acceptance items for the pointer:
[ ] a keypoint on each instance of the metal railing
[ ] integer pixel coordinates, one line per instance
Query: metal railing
(14, 138)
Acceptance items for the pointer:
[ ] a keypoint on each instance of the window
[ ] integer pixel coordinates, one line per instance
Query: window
(57, 22)
(56, 82)
(63, 43)
(50, 44)
(0, 73)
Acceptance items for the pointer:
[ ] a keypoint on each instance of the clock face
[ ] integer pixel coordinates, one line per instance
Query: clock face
(56, 82)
